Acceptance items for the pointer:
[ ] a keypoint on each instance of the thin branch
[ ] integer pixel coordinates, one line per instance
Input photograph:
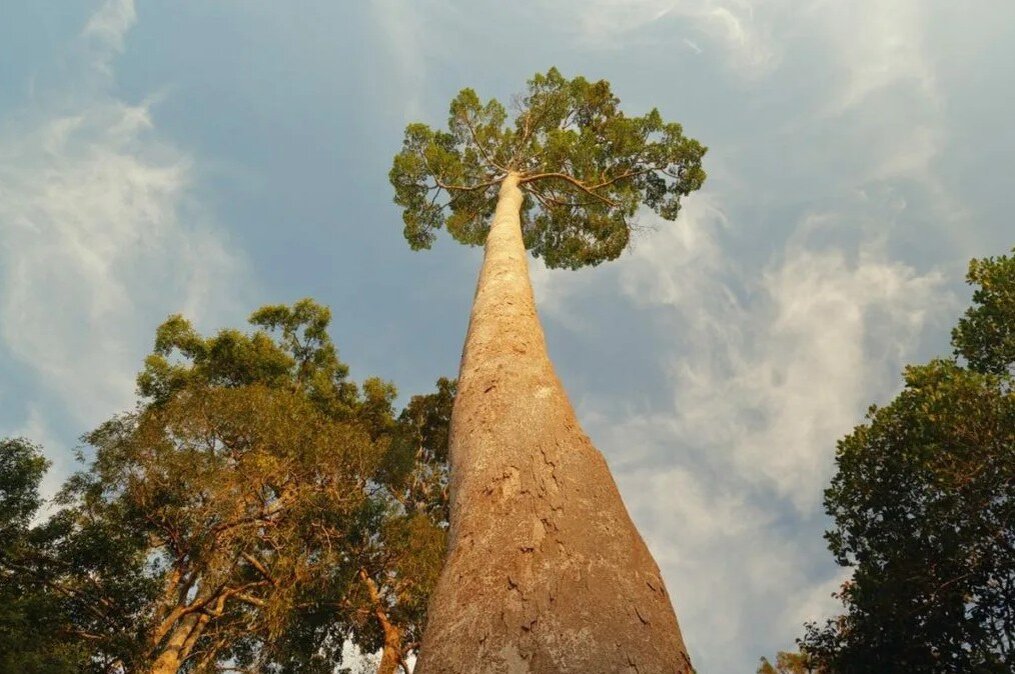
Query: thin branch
(482, 150)
(260, 568)
(466, 188)
(577, 183)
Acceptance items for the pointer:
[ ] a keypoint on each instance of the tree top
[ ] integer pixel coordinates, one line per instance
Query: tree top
(583, 165)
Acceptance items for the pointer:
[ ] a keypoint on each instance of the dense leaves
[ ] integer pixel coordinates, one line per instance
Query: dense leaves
(257, 509)
(584, 166)
(924, 509)
(34, 634)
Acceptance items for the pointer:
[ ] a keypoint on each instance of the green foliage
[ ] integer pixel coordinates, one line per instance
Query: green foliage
(291, 350)
(924, 509)
(248, 503)
(985, 336)
(584, 166)
(34, 624)
(21, 468)
(407, 534)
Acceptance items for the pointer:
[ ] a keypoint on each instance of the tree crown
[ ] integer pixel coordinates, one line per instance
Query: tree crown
(985, 335)
(584, 166)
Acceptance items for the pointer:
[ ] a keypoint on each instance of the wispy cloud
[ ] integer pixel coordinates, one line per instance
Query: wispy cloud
(101, 238)
(731, 27)
(106, 30)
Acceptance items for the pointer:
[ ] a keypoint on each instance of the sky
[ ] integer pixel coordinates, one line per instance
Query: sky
(209, 158)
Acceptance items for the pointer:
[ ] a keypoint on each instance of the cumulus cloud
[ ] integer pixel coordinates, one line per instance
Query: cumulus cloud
(101, 237)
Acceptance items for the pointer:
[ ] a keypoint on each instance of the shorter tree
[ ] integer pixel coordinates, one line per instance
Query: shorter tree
(257, 508)
(924, 509)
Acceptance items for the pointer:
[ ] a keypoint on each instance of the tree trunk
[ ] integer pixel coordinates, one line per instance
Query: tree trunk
(175, 651)
(545, 571)
(391, 654)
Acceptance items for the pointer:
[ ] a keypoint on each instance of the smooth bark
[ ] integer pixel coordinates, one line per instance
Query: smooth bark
(545, 570)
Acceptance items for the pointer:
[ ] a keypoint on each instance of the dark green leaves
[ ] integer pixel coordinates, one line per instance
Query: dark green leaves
(21, 468)
(585, 166)
(924, 508)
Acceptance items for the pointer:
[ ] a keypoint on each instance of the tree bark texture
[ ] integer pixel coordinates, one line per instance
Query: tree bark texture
(545, 571)
(391, 652)
(177, 647)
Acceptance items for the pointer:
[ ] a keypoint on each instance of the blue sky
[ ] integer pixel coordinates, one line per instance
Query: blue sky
(208, 158)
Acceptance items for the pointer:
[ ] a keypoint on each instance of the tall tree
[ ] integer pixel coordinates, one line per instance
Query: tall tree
(924, 508)
(545, 570)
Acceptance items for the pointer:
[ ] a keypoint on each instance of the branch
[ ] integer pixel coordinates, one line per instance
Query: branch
(629, 174)
(466, 188)
(249, 599)
(482, 150)
(566, 178)
(460, 188)
(549, 201)
(260, 568)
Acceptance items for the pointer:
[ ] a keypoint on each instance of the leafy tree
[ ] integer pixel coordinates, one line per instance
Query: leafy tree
(583, 166)
(545, 569)
(257, 508)
(924, 509)
(36, 634)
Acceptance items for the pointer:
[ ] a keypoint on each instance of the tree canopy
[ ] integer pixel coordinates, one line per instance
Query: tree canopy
(585, 167)
(924, 508)
(985, 336)
(257, 508)
(34, 619)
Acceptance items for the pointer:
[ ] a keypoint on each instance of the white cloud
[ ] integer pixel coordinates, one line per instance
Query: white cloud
(400, 23)
(879, 45)
(774, 380)
(101, 238)
(732, 26)
(773, 384)
(38, 430)
(107, 29)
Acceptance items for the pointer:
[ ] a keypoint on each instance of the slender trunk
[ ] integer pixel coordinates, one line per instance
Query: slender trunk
(545, 570)
(391, 654)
